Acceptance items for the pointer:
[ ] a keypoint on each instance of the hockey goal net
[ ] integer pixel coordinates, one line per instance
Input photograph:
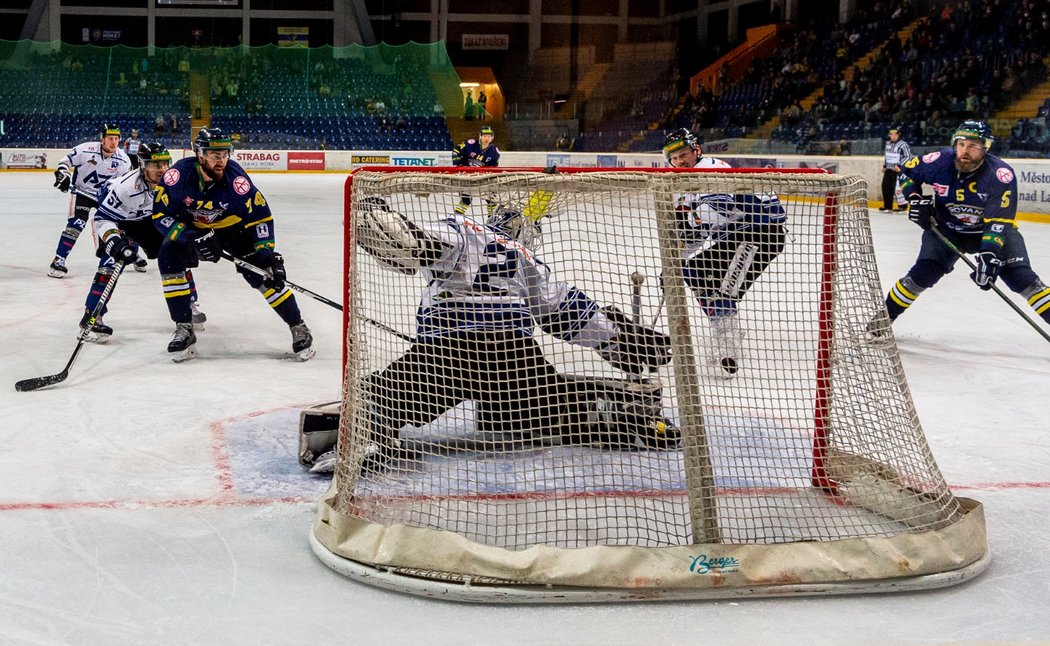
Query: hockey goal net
(802, 470)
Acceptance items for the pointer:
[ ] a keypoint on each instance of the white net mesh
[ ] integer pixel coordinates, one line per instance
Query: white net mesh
(487, 405)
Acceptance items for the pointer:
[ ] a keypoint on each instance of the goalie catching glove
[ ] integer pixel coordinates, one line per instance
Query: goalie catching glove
(635, 348)
(392, 239)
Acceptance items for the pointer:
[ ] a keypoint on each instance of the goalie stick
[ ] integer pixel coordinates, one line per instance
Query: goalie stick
(995, 288)
(314, 295)
(35, 383)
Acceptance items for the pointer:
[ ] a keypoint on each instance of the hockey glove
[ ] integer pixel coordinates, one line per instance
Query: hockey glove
(118, 248)
(635, 348)
(208, 247)
(920, 210)
(274, 262)
(988, 267)
(62, 179)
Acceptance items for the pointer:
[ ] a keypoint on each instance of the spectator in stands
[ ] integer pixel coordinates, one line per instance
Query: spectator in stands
(482, 101)
(468, 105)
(158, 125)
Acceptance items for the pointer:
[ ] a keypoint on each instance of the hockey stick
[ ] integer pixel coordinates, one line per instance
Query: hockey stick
(247, 266)
(995, 288)
(637, 278)
(35, 383)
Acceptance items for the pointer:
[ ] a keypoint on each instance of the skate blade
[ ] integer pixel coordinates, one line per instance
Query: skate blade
(304, 355)
(198, 327)
(56, 274)
(95, 337)
(141, 269)
(184, 355)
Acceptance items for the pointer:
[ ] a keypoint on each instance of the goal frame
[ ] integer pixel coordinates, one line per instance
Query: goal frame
(889, 563)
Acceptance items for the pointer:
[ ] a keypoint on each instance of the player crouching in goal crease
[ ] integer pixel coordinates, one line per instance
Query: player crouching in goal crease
(486, 292)
(729, 241)
(208, 206)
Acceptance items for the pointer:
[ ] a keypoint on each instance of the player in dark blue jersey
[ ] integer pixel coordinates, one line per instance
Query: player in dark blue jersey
(476, 152)
(974, 204)
(207, 204)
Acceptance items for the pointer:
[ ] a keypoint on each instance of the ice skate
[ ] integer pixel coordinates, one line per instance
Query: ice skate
(183, 343)
(302, 341)
(140, 265)
(58, 268)
(99, 332)
(199, 318)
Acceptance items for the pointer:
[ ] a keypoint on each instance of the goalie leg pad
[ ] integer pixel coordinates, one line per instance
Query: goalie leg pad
(318, 431)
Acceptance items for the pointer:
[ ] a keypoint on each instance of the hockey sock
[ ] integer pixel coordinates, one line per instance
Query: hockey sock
(68, 238)
(901, 296)
(1038, 296)
(283, 302)
(177, 296)
(102, 277)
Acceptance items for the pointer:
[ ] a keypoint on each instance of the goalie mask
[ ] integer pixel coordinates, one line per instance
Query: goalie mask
(517, 226)
(386, 235)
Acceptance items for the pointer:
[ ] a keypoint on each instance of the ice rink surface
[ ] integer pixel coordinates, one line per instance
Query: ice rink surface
(143, 502)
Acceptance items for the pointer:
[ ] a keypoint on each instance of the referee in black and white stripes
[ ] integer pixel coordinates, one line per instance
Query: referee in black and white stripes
(896, 153)
(131, 146)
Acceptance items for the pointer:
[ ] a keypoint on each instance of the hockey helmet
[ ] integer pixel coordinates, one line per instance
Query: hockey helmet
(153, 151)
(976, 130)
(108, 130)
(893, 130)
(678, 139)
(487, 130)
(516, 225)
(212, 139)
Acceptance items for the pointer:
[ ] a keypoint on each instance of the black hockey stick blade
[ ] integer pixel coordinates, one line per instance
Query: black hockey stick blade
(35, 383)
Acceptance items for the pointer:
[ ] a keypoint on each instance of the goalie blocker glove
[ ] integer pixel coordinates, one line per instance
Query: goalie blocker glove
(635, 348)
(62, 179)
(920, 210)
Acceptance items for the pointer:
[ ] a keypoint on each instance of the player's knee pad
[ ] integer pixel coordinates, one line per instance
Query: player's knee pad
(925, 274)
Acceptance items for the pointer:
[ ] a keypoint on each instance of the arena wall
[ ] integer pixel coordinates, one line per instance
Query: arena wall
(1033, 175)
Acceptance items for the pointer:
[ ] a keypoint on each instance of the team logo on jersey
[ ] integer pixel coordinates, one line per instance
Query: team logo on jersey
(171, 177)
(241, 185)
(940, 189)
(1004, 175)
(929, 158)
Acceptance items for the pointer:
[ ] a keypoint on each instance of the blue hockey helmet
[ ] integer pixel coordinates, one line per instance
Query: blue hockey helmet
(678, 139)
(976, 130)
(212, 139)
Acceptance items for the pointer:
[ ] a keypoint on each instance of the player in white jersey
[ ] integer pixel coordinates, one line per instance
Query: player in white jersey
(486, 293)
(124, 226)
(729, 241)
(87, 167)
